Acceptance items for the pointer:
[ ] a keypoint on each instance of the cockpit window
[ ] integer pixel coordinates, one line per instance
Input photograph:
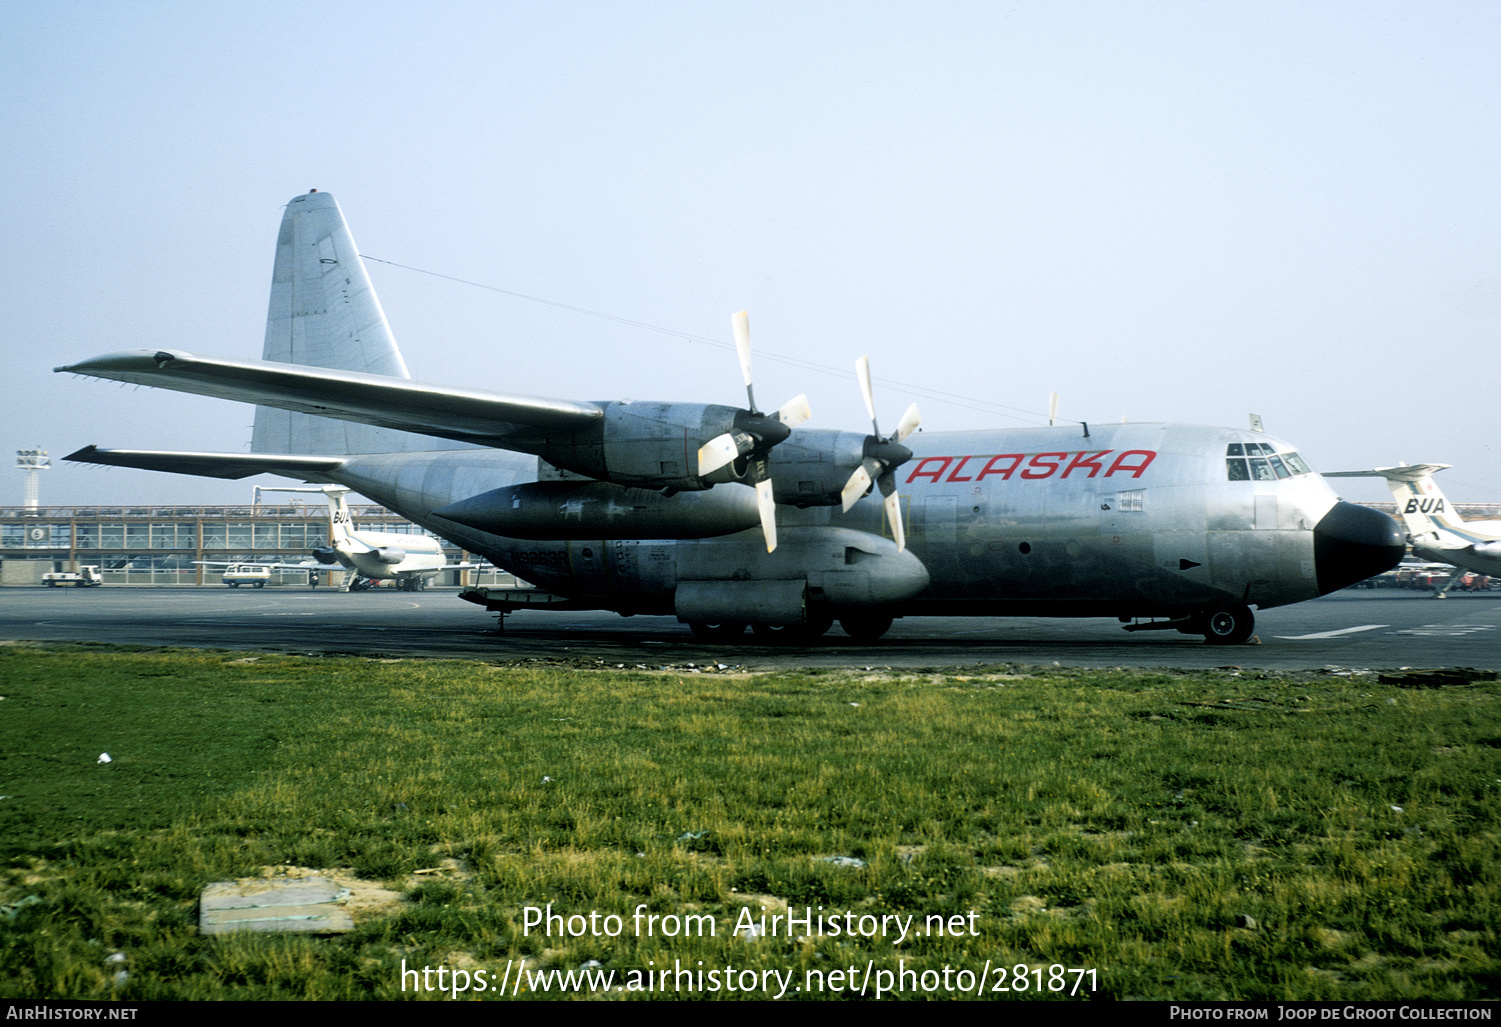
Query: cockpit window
(1260, 461)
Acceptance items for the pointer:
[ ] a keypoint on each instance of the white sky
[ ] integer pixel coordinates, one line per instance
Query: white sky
(1167, 211)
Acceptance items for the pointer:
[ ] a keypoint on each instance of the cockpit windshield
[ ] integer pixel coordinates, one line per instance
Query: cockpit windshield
(1259, 461)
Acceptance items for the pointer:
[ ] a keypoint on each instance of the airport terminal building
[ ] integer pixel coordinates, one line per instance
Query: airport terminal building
(162, 545)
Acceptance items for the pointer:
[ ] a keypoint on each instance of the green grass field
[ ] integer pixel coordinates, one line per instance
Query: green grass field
(1212, 835)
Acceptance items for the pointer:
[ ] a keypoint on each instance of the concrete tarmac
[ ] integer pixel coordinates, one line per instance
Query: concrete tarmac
(1354, 629)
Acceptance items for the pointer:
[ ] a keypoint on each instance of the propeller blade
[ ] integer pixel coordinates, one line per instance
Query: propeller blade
(857, 486)
(717, 452)
(908, 424)
(795, 411)
(862, 372)
(893, 505)
(766, 503)
(741, 323)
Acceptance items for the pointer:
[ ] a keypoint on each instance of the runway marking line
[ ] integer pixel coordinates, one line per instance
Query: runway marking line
(1335, 634)
(1445, 630)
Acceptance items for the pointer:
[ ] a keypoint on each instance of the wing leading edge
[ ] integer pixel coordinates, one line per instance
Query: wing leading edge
(213, 465)
(479, 416)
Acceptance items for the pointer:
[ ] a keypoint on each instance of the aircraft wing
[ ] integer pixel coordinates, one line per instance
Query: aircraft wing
(212, 465)
(467, 415)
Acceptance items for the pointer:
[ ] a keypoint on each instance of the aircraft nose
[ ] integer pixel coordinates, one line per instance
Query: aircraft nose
(1352, 543)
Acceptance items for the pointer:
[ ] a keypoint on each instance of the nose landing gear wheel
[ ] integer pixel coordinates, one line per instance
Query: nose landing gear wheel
(1230, 625)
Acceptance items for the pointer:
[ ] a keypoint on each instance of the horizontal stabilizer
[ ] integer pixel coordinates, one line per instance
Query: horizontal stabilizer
(306, 565)
(213, 465)
(1402, 472)
(467, 415)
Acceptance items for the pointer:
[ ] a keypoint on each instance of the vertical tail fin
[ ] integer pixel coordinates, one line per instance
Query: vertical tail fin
(1423, 506)
(324, 313)
(340, 521)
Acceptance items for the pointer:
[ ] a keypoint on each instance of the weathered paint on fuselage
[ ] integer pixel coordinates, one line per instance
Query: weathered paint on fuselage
(1136, 519)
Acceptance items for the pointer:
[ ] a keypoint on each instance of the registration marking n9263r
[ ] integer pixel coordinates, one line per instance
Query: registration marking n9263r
(1336, 634)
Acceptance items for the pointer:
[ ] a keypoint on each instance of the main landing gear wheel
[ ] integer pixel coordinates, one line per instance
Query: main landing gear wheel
(726, 632)
(865, 627)
(794, 634)
(1229, 625)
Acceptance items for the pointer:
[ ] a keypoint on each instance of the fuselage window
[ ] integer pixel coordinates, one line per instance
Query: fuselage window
(1261, 470)
(1235, 468)
(1277, 466)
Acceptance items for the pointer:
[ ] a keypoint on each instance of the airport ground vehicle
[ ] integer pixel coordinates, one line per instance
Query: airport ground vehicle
(256, 574)
(84, 577)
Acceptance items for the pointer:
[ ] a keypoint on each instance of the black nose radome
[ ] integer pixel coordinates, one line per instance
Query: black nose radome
(1353, 543)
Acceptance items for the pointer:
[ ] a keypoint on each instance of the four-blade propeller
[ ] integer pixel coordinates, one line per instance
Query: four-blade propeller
(881, 458)
(753, 436)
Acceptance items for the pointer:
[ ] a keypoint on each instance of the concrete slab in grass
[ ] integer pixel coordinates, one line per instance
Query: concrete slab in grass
(305, 905)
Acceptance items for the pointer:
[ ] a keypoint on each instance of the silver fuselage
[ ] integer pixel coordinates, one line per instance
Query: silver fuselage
(1039, 520)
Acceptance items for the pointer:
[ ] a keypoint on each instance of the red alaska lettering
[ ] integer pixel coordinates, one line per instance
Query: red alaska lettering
(955, 476)
(1091, 463)
(1040, 463)
(1005, 472)
(1145, 458)
(934, 475)
(1079, 461)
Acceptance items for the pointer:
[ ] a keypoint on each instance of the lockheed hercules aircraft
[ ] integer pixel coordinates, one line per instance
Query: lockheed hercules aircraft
(730, 516)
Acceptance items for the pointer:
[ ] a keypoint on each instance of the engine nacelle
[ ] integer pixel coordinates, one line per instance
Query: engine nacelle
(655, 445)
(326, 555)
(812, 467)
(389, 555)
(1490, 550)
(573, 510)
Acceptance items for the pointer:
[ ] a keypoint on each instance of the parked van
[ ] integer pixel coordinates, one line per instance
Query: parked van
(237, 574)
